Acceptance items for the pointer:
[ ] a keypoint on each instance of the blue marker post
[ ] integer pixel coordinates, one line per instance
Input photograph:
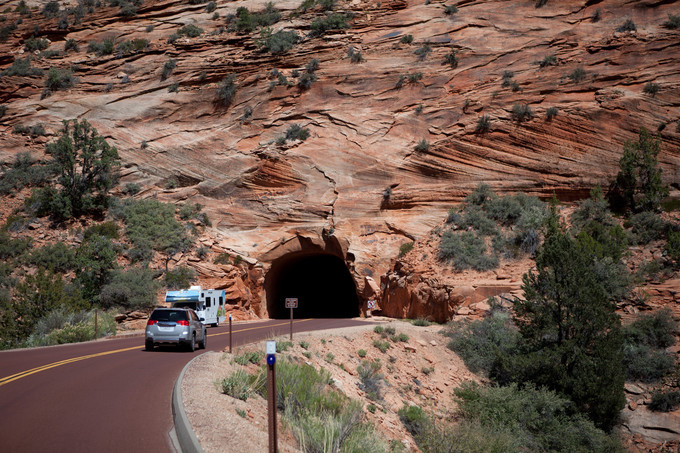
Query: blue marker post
(271, 394)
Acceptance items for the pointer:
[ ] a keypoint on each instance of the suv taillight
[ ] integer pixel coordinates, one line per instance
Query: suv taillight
(182, 323)
(151, 322)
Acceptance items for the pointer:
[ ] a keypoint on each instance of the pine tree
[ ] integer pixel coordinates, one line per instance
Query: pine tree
(638, 185)
(570, 333)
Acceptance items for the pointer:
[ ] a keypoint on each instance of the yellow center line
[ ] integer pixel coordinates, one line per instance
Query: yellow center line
(14, 377)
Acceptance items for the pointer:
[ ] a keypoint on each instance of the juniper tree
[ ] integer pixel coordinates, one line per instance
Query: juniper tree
(570, 333)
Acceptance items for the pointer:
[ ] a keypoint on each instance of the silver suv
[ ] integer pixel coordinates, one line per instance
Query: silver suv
(179, 326)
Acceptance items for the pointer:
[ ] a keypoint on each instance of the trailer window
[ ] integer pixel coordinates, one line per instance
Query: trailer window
(221, 301)
(207, 302)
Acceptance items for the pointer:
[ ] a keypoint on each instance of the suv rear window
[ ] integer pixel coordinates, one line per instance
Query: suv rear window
(169, 315)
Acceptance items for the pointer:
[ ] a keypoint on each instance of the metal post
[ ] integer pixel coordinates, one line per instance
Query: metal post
(271, 406)
(95, 324)
(291, 323)
(229, 333)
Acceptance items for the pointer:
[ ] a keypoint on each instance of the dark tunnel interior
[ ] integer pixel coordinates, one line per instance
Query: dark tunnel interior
(321, 282)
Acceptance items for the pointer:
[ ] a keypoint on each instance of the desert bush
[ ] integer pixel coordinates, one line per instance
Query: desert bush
(451, 59)
(57, 257)
(423, 51)
(11, 248)
(646, 364)
(383, 346)
(647, 226)
(222, 258)
(405, 248)
(247, 21)
(466, 250)
(361, 353)
(548, 60)
(22, 68)
(450, 10)
(277, 43)
(133, 46)
(210, 7)
(296, 132)
(23, 172)
(577, 75)
(528, 419)
(180, 277)
(651, 88)
(131, 289)
(354, 55)
(657, 330)
(254, 357)
(226, 91)
(190, 31)
(305, 81)
(673, 22)
(414, 418)
(107, 229)
(104, 47)
(371, 379)
(71, 44)
(666, 401)
(422, 146)
(33, 44)
(239, 384)
(51, 8)
(421, 322)
(62, 326)
(521, 112)
(333, 21)
(132, 188)
(627, 26)
(476, 218)
(168, 66)
(406, 39)
(482, 344)
(551, 113)
(673, 246)
(36, 130)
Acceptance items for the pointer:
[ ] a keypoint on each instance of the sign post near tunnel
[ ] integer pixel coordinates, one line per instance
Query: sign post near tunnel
(291, 302)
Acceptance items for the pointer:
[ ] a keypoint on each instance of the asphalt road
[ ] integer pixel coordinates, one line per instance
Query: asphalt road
(107, 395)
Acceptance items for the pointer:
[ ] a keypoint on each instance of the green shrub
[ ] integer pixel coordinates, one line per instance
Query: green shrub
(551, 113)
(647, 226)
(304, 344)
(210, 7)
(423, 51)
(133, 46)
(673, 22)
(254, 357)
(406, 39)
(521, 112)
(466, 250)
(277, 43)
(305, 81)
(379, 329)
(421, 322)
(371, 379)
(627, 26)
(239, 385)
(132, 289)
(405, 248)
(12, 248)
(402, 337)
(296, 132)
(422, 146)
(651, 88)
(283, 346)
(23, 172)
(361, 353)
(549, 60)
(646, 364)
(104, 47)
(57, 257)
(247, 21)
(528, 419)
(673, 247)
(577, 75)
(107, 229)
(450, 10)
(179, 278)
(51, 8)
(62, 326)
(132, 188)
(71, 44)
(226, 91)
(222, 258)
(354, 55)
(414, 419)
(482, 344)
(666, 401)
(333, 21)
(22, 68)
(383, 346)
(37, 130)
(33, 44)
(190, 31)
(657, 330)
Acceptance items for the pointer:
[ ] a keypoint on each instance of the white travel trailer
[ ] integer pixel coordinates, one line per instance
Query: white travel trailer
(207, 303)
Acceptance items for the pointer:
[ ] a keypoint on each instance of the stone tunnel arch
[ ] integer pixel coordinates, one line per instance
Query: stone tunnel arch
(318, 277)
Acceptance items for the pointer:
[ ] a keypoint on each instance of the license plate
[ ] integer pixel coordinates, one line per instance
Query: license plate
(166, 329)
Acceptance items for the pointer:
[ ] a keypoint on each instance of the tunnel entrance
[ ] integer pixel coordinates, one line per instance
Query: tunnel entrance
(321, 282)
